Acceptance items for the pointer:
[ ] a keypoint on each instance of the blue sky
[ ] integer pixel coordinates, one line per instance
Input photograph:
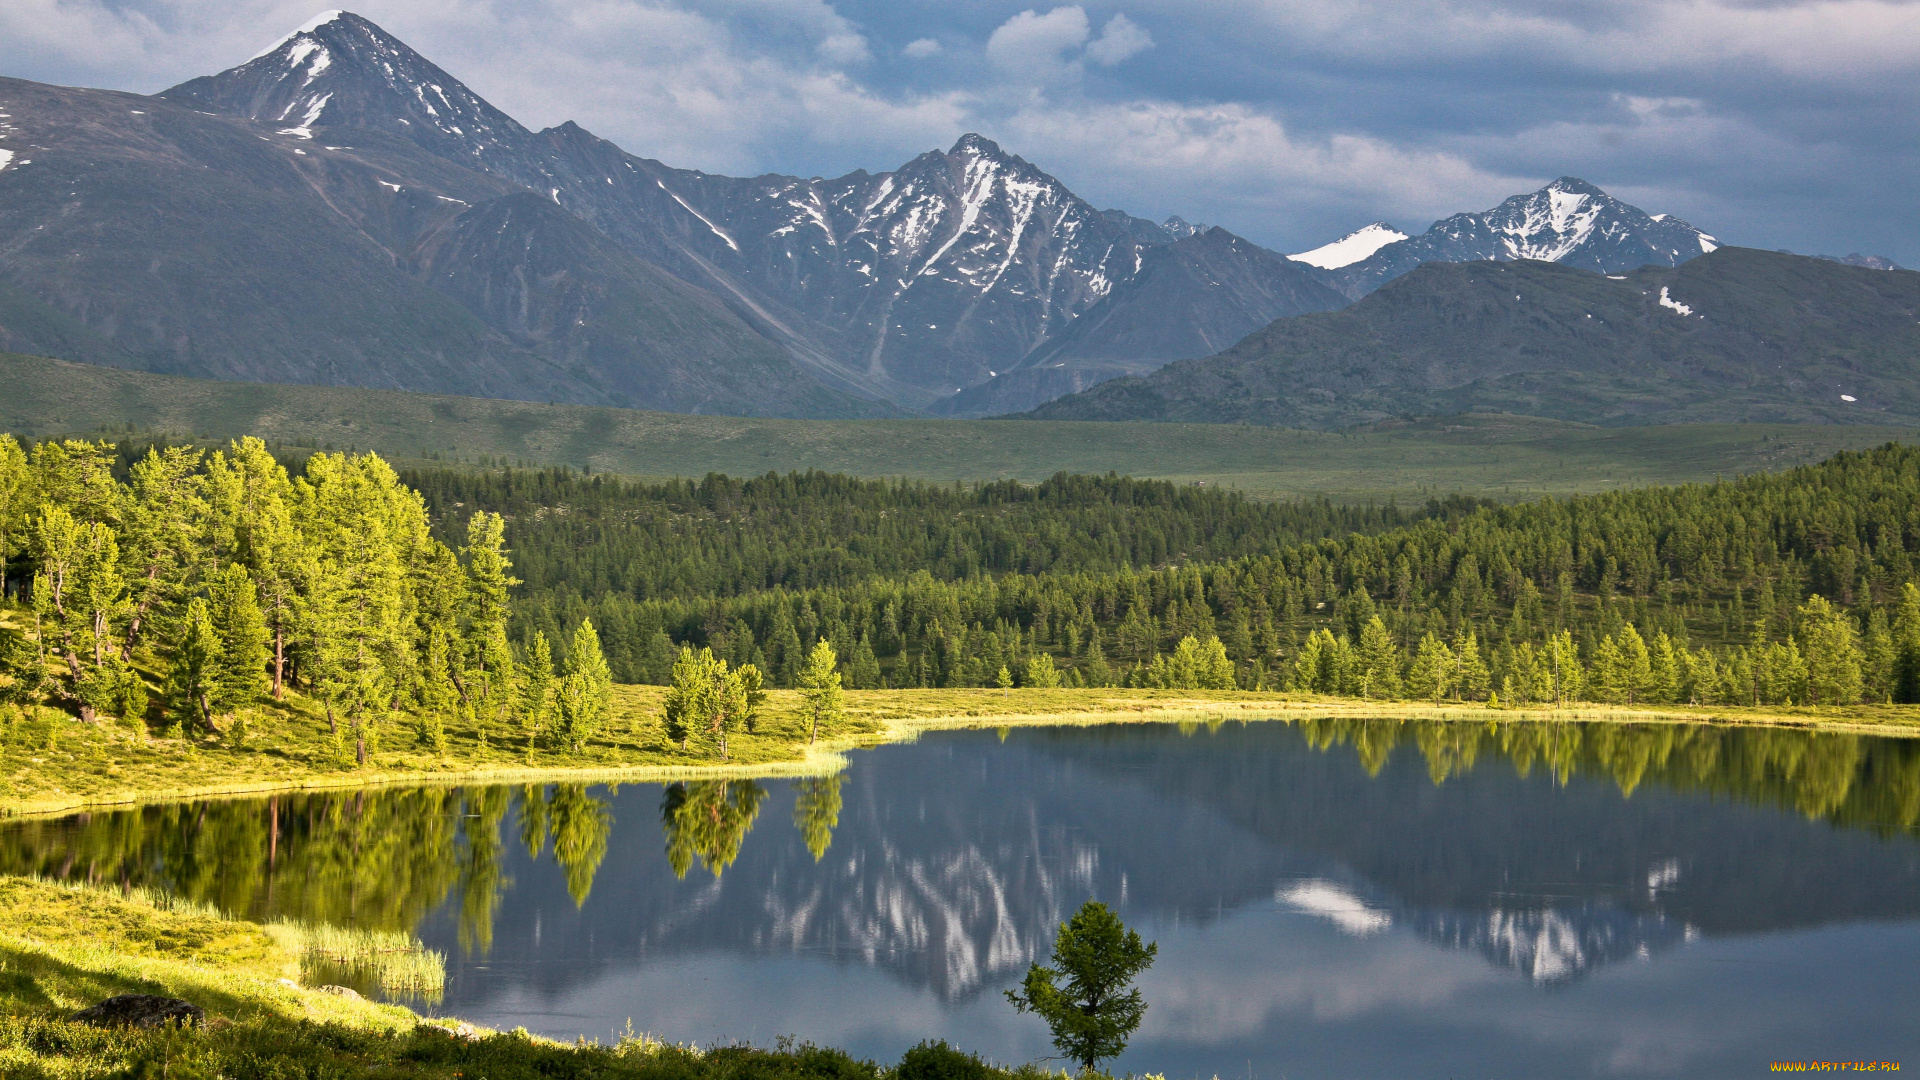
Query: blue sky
(1771, 123)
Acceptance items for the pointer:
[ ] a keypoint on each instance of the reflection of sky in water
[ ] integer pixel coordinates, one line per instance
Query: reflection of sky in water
(1296, 993)
(1312, 921)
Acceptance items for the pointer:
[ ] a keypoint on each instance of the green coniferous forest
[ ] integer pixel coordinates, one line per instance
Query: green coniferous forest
(1788, 588)
(177, 584)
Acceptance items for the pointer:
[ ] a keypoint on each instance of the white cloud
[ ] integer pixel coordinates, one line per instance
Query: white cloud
(1235, 163)
(1120, 39)
(922, 47)
(1030, 45)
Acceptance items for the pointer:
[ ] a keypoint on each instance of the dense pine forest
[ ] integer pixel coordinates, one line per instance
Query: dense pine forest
(1774, 589)
(177, 584)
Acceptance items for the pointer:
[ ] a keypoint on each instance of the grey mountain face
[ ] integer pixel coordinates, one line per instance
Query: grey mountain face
(203, 245)
(339, 70)
(1194, 297)
(910, 285)
(437, 244)
(1569, 221)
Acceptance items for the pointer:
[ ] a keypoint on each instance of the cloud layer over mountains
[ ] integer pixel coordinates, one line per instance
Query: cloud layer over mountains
(1787, 124)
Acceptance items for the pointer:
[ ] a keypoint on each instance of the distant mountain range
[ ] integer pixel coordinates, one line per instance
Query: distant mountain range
(1569, 222)
(1735, 335)
(340, 210)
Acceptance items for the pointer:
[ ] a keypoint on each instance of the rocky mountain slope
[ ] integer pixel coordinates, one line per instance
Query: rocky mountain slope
(1194, 297)
(1569, 221)
(1735, 335)
(910, 285)
(175, 241)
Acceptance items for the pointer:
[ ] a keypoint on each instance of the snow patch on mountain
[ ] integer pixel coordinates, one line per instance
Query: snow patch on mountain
(6, 159)
(717, 231)
(1667, 301)
(1350, 248)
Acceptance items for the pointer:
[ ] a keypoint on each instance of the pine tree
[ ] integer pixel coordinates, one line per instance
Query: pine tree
(537, 692)
(863, 668)
(1833, 658)
(689, 685)
(1431, 676)
(193, 680)
(1379, 661)
(1097, 671)
(241, 672)
(1906, 645)
(489, 583)
(1879, 659)
(1664, 666)
(1471, 679)
(15, 491)
(1041, 672)
(585, 698)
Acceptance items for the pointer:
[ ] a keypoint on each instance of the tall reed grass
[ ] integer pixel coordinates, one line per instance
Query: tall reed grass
(396, 961)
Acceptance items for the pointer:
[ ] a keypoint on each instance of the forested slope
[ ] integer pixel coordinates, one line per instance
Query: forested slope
(1716, 592)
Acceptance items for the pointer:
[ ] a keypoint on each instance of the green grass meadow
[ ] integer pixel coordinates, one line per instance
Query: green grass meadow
(1502, 457)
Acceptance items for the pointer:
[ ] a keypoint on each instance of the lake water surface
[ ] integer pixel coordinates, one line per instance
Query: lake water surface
(1331, 898)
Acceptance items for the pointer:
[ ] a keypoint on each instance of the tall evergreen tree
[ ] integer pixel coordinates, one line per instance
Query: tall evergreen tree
(193, 681)
(240, 672)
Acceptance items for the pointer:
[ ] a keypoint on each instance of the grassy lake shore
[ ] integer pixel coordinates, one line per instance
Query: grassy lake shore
(52, 764)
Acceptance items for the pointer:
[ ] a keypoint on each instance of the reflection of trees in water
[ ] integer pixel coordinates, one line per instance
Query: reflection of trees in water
(578, 825)
(373, 859)
(816, 810)
(1862, 781)
(709, 819)
(481, 859)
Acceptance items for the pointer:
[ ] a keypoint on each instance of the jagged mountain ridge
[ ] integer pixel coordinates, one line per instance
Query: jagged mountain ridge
(911, 284)
(1194, 297)
(1569, 221)
(963, 283)
(196, 244)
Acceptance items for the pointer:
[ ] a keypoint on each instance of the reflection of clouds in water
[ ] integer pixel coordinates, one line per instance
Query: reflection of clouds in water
(1335, 904)
(1256, 972)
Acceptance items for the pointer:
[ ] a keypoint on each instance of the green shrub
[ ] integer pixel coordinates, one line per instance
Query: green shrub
(935, 1060)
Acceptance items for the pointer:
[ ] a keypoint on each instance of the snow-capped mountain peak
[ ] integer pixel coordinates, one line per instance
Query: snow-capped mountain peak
(1352, 247)
(340, 70)
(1568, 221)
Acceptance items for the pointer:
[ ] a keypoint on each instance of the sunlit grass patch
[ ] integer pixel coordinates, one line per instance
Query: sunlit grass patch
(395, 961)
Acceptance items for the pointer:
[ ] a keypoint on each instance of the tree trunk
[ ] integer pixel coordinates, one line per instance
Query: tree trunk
(279, 661)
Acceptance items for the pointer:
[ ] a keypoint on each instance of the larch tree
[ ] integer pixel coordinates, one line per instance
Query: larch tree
(240, 670)
(820, 689)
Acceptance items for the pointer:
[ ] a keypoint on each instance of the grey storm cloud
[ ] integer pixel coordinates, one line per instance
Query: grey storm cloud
(1771, 123)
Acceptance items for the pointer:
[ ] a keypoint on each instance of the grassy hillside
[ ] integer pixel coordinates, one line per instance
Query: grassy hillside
(1735, 336)
(1499, 456)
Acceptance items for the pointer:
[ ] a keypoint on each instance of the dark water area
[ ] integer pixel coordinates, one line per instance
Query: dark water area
(1331, 898)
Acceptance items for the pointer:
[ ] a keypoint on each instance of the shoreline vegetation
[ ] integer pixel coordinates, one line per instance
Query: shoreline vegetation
(68, 946)
(51, 766)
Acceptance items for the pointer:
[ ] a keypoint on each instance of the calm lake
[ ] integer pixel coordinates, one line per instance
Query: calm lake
(1330, 898)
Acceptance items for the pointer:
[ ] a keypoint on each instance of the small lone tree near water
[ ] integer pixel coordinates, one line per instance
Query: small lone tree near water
(1094, 1012)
